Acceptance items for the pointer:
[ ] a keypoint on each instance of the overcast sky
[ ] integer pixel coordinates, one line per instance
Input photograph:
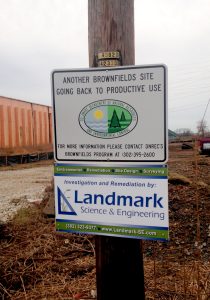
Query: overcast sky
(38, 36)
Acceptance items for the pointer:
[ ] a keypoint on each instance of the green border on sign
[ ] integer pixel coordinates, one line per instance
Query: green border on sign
(83, 170)
(124, 231)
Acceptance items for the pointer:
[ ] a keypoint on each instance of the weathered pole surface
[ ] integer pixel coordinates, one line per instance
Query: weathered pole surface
(119, 261)
(110, 28)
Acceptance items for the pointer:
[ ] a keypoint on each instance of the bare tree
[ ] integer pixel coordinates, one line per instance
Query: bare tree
(183, 131)
(202, 128)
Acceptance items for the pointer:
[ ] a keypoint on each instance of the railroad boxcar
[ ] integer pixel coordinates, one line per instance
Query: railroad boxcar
(25, 127)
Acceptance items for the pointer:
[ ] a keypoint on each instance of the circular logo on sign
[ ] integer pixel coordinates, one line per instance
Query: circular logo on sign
(108, 119)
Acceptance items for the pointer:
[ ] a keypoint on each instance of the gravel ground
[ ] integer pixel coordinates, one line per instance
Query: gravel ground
(20, 187)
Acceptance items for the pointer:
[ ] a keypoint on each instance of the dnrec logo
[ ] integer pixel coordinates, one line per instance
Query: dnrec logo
(108, 119)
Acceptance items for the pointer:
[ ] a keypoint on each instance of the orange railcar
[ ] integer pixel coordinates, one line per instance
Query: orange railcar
(25, 127)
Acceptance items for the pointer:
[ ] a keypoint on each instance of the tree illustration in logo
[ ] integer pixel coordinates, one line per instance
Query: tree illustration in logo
(114, 120)
(122, 119)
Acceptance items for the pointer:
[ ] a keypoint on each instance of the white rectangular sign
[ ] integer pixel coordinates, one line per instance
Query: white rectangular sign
(126, 202)
(111, 115)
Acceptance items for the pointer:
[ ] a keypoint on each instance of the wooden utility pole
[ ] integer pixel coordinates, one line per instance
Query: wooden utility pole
(111, 28)
(119, 261)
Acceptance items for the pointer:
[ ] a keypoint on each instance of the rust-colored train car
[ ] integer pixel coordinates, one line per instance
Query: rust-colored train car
(25, 127)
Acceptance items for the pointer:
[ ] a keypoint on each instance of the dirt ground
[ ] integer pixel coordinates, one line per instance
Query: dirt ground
(38, 263)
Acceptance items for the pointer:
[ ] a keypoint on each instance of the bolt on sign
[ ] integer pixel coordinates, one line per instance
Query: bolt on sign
(110, 129)
(115, 115)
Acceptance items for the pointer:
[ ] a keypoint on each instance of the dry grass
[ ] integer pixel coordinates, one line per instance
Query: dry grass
(38, 263)
(175, 178)
(178, 281)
